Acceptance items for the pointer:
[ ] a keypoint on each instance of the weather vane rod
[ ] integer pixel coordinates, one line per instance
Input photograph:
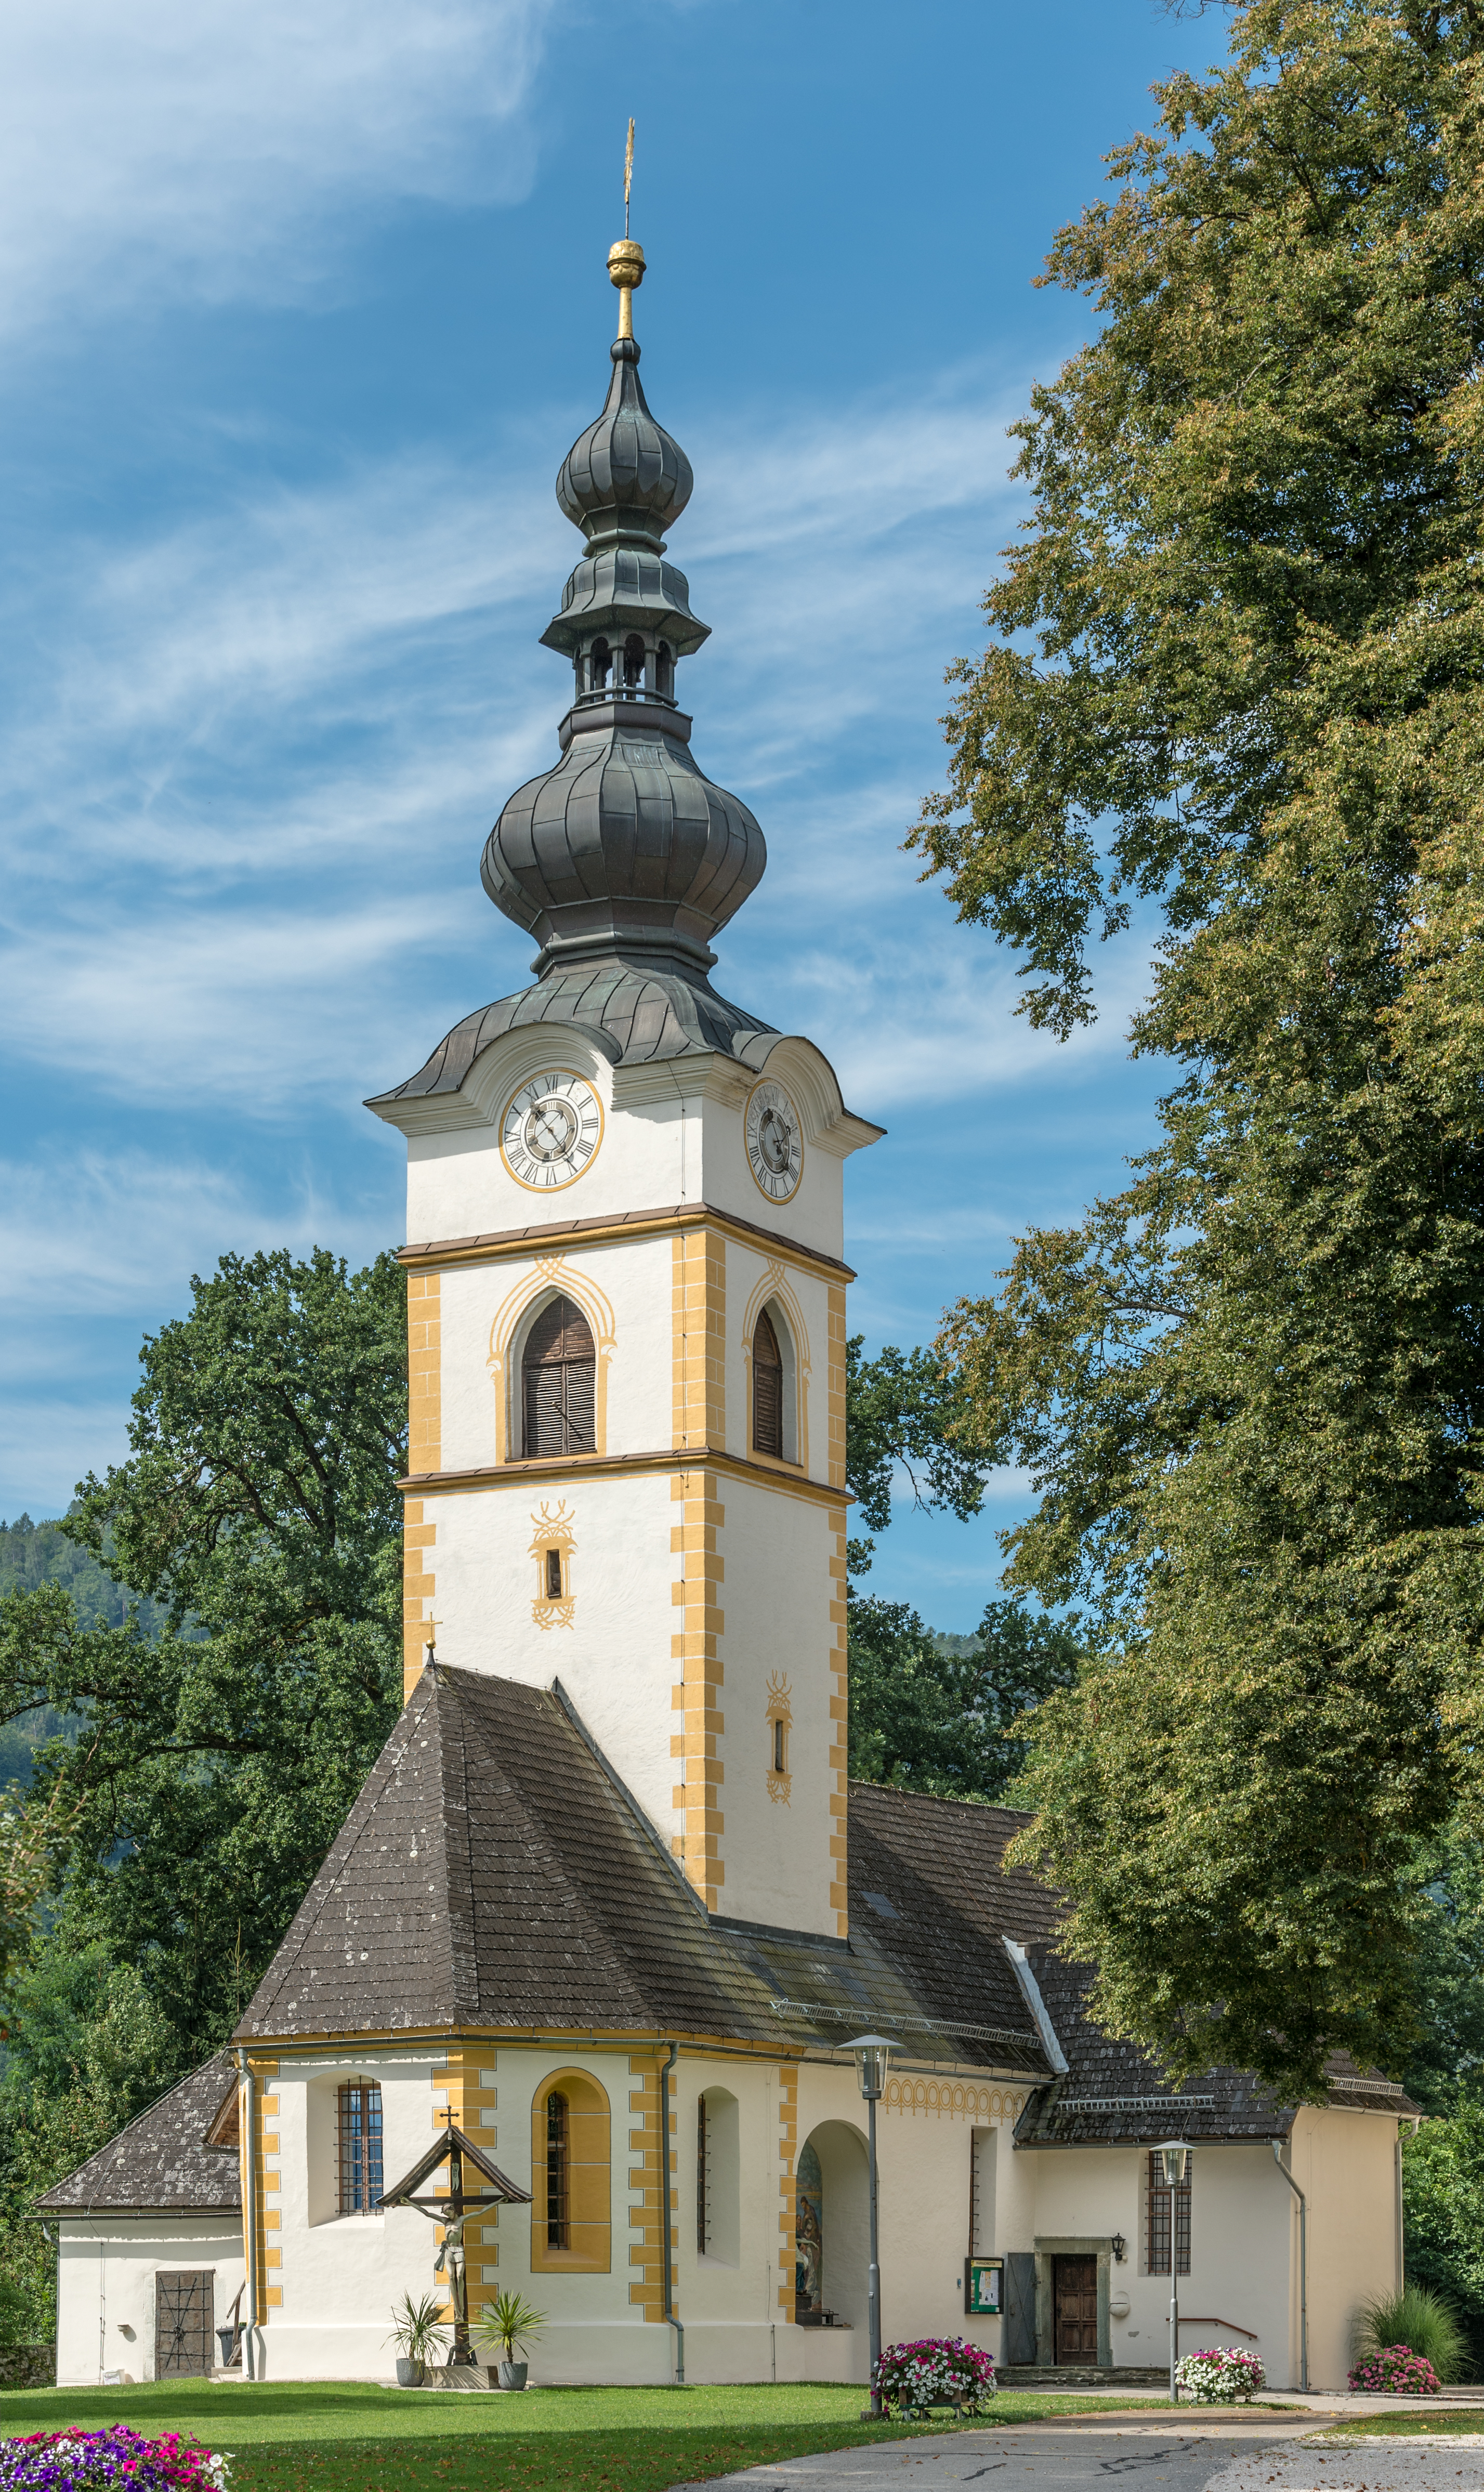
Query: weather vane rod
(626, 259)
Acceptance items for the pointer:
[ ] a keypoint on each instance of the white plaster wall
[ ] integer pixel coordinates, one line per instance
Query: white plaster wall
(656, 1152)
(1346, 2162)
(636, 1276)
(106, 2277)
(776, 1594)
(615, 1659)
(924, 2162)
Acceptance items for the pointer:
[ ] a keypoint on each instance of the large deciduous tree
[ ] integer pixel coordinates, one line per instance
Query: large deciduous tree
(216, 1757)
(1236, 691)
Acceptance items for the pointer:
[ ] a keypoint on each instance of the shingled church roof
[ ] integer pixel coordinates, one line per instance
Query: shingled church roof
(493, 1873)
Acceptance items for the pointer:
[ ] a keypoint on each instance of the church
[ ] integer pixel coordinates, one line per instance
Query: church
(564, 2013)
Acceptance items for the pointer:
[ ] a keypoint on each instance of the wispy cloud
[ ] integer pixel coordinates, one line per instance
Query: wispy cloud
(204, 147)
(248, 768)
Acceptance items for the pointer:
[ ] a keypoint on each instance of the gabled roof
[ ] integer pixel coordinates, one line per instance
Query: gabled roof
(160, 2162)
(493, 1874)
(1112, 2094)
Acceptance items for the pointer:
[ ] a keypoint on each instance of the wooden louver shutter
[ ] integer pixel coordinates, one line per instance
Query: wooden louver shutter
(558, 1376)
(767, 1389)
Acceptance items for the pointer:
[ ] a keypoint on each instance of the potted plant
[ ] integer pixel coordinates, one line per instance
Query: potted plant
(419, 2335)
(507, 2321)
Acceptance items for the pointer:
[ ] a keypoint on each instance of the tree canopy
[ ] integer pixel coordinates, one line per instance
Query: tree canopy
(1234, 695)
(209, 1765)
(928, 1715)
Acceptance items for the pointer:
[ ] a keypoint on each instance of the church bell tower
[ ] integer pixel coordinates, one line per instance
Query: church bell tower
(627, 1294)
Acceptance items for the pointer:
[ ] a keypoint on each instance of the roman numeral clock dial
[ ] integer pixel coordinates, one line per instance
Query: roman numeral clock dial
(551, 1131)
(775, 1142)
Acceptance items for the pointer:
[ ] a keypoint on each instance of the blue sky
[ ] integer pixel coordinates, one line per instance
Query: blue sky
(300, 307)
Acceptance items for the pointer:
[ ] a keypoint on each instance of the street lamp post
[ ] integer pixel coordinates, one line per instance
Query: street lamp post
(872, 2054)
(1174, 2157)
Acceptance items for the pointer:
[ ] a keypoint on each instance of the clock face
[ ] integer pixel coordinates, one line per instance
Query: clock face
(775, 1142)
(550, 1130)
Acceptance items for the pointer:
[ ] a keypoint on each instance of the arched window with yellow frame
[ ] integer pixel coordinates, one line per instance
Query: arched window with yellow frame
(570, 2176)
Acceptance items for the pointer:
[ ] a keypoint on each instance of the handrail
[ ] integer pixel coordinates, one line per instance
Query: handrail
(1249, 2334)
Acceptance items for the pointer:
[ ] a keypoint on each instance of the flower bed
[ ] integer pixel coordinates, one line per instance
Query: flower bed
(116, 2460)
(1396, 2371)
(936, 2370)
(1219, 2376)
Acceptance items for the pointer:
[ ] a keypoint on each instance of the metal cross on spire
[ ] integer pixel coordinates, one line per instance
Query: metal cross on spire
(628, 176)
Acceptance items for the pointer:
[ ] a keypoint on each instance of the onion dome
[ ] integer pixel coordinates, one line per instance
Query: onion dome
(624, 845)
(624, 476)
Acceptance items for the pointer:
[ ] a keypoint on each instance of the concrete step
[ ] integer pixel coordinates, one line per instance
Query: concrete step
(1078, 2375)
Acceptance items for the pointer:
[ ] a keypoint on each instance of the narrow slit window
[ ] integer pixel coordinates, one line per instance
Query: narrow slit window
(559, 2159)
(358, 2126)
(702, 2185)
(767, 1388)
(559, 1380)
(553, 1574)
(780, 1747)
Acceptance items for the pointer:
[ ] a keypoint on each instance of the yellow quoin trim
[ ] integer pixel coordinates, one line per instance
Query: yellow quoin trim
(425, 1454)
(787, 2187)
(834, 1385)
(425, 1373)
(418, 1589)
(774, 1285)
(646, 2288)
(697, 1695)
(589, 2178)
(264, 2219)
(839, 1778)
(699, 1301)
(552, 1276)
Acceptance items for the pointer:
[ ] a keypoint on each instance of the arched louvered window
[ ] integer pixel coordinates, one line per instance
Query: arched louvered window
(632, 660)
(557, 1375)
(767, 1388)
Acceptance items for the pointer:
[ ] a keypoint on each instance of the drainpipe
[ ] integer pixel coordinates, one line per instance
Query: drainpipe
(666, 2268)
(1303, 2267)
(246, 2111)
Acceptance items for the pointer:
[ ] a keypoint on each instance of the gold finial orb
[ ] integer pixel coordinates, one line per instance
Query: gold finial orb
(626, 270)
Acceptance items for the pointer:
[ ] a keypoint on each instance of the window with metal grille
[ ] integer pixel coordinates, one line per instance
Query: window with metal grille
(358, 2126)
(702, 2182)
(767, 1388)
(558, 2173)
(1159, 2221)
(559, 1375)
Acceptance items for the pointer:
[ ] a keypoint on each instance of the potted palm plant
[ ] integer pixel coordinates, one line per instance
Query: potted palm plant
(507, 2321)
(420, 2336)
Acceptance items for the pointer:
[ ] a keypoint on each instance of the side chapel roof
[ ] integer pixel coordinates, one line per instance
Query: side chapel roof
(161, 2161)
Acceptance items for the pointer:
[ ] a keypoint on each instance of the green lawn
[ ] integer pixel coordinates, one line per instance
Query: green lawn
(1409, 2421)
(330, 2437)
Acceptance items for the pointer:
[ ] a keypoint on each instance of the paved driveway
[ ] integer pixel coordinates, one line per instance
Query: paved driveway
(1040, 2458)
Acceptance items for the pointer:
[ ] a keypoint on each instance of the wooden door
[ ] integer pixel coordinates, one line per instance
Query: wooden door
(1075, 2287)
(184, 2312)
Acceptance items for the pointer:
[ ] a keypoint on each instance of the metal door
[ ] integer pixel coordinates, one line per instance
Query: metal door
(1075, 2287)
(185, 2300)
(1019, 2338)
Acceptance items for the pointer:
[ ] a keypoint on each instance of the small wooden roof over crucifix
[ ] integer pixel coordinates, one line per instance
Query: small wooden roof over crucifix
(501, 2192)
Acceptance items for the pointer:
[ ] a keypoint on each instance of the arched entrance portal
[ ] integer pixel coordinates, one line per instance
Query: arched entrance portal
(832, 2227)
